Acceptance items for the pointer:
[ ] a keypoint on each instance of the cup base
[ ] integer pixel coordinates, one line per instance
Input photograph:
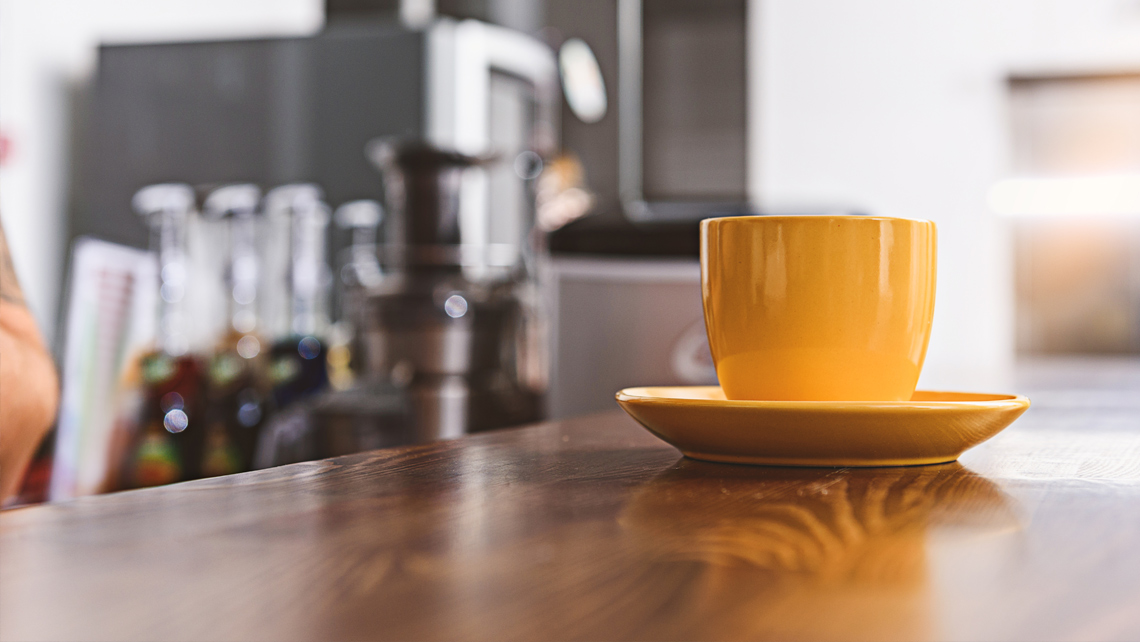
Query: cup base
(817, 374)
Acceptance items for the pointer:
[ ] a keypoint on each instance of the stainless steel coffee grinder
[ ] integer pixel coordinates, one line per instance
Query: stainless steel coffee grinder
(453, 321)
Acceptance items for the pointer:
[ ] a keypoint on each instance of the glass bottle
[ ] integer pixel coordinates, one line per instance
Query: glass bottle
(297, 361)
(170, 431)
(360, 272)
(237, 390)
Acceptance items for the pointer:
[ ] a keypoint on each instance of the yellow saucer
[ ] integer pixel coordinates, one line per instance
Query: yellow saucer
(931, 428)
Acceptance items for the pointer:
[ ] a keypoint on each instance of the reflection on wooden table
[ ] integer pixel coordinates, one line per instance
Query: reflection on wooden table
(840, 551)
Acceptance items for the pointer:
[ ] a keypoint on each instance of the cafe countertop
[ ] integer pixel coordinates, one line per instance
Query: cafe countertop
(593, 529)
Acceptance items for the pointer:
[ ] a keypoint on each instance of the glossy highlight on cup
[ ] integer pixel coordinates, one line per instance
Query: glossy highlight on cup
(818, 308)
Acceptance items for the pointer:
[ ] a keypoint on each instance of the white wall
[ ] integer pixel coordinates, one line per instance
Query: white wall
(48, 45)
(897, 107)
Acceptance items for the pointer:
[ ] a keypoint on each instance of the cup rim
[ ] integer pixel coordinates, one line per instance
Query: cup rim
(801, 217)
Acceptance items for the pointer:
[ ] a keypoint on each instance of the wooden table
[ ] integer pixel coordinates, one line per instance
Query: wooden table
(592, 529)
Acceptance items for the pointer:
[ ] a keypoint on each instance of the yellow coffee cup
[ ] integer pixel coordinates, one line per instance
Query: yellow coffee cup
(818, 308)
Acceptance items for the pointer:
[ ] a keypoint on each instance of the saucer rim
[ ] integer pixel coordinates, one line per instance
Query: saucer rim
(1000, 400)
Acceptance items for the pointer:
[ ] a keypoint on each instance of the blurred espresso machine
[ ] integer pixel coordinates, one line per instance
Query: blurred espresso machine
(453, 320)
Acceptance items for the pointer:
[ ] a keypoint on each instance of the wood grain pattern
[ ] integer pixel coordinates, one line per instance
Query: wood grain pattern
(592, 529)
